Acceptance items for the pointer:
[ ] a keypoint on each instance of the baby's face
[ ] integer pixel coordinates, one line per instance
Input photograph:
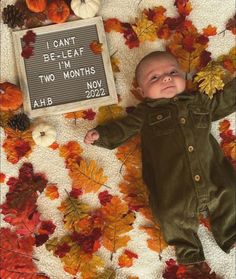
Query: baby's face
(161, 77)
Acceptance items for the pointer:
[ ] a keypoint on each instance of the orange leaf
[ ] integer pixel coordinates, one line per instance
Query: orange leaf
(51, 191)
(75, 114)
(209, 31)
(224, 125)
(118, 221)
(156, 242)
(87, 175)
(96, 47)
(71, 150)
(126, 259)
(113, 24)
(2, 177)
(54, 145)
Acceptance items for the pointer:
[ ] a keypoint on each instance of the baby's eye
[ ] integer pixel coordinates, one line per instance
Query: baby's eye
(174, 72)
(154, 77)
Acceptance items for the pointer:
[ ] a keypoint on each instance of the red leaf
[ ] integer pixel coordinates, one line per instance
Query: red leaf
(27, 52)
(40, 239)
(89, 114)
(130, 36)
(76, 192)
(104, 197)
(46, 227)
(2, 177)
(62, 250)
(29, 37)
(209, 31)
(188, 43)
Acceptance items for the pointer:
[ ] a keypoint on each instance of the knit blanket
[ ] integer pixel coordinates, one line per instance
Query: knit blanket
(71, 210)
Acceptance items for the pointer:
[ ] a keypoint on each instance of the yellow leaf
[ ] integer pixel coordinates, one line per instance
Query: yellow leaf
(108, 273)
(210, 79)
(73, 211)
(114, 63)
(109, 113)
(145, 29)
(89, 265)
(72, 260)
(87, 175)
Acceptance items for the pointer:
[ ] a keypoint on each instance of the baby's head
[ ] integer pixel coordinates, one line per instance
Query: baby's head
(159, 76)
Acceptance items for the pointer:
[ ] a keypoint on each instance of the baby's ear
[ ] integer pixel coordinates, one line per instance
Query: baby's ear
(140, 91)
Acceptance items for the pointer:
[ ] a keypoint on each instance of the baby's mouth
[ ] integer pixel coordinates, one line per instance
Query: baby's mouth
(168, 87)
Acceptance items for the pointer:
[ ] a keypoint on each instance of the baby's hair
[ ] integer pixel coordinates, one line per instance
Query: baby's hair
(154, 54)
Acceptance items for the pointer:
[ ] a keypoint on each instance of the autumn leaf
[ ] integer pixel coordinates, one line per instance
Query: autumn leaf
(156, 15)
(130, 153)
(89, 266)
(2, 177)
(118, 221)
(104, 197)
(87, 176)
(231, 25)
(109, 113)
(51, 191)
(96, 47)
(71, 151)
(16, 256)
(75, 114)
(184, 7)
(17, 144)
(228, 61)
(73, 210)
(145, 29)
(29, 37)
(156, 241)
(209, 31)
(210, 79)
(115, 64)
(126, 259)
(113, 24)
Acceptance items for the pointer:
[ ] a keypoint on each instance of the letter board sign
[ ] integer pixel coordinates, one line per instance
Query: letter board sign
(69, 68)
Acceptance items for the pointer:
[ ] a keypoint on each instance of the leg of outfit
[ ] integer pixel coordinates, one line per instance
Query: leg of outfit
(183, 236)
(222, 215)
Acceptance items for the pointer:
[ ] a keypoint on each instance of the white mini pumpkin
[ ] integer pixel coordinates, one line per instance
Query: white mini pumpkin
(85, 8)
(44, 134)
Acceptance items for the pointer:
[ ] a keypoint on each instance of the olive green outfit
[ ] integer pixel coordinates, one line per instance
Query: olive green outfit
(183, 166)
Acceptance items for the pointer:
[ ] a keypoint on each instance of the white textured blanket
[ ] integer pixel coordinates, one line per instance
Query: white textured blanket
(48, 161)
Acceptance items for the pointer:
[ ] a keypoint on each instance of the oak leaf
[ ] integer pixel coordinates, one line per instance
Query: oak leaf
(109, 113)
(73, 210)
(118, 221)
(87, 176)
(130, 153)
(156, 241)
(145, 29)
(210, 79)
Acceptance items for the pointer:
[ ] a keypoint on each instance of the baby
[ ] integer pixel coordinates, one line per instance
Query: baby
(184, 168)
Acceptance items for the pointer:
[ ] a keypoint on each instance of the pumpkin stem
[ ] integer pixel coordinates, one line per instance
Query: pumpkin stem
(82, 1)
(42, 134)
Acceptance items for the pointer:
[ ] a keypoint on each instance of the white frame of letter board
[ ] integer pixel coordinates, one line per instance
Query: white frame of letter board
(68, 107)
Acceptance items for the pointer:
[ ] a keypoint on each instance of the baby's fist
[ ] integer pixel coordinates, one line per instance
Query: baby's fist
(91, 136)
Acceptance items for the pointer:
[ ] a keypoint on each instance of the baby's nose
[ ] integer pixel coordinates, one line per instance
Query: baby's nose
(166, 78)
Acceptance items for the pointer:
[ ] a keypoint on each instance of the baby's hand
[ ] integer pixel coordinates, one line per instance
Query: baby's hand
(91, 136)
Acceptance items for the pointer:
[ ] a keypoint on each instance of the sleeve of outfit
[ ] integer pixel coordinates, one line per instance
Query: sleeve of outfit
(223, 102)
(117, 132)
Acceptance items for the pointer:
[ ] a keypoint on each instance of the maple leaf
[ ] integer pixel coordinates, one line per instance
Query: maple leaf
(170, 270)
(27, 51)
(156, 15)
(184, 7)
(156, 241)
(71, 151)
(73, 210)
(2, 177)
(109, 113)
(231, 25)
(145, 29)
(126, 259)
(131, 39)
(210, 79)
(209, 31)
(118, 221)
(87, 176)
(96, 47)
(89, 114)
(16, 256)
(51, 191)
(29, 37)
(228, 61)
(113, 24)
(104, 197)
